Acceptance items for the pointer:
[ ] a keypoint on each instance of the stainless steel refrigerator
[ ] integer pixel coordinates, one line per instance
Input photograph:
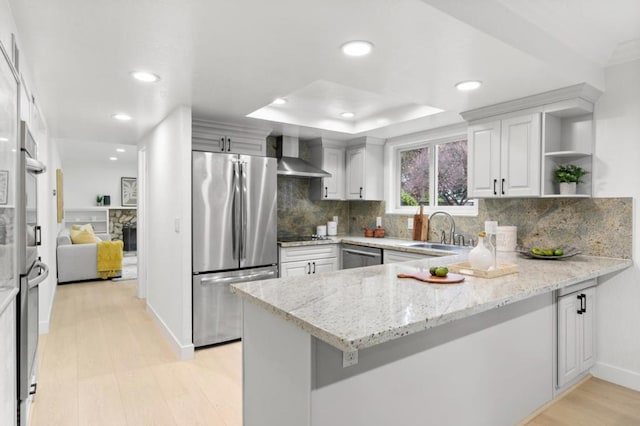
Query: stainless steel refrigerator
(234, 237)
(32, 270)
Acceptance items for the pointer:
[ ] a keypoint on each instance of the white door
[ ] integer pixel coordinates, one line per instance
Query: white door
(291, 269)
(333, 162)
(588, 350)
(568, 338)
(520, 156)
(355, 174)
(484, 160)
(324, 265)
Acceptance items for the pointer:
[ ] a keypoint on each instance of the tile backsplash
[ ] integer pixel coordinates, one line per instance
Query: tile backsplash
(597, 226)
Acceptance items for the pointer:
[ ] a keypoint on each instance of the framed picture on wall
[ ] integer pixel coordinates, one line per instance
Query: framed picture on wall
(4, 186)
(129, 191)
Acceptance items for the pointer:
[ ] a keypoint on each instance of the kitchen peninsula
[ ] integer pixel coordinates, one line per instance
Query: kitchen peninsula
(361, 346)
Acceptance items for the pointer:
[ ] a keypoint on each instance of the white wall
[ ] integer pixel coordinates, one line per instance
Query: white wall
(616, 174)
(83, 181)
(167, 248)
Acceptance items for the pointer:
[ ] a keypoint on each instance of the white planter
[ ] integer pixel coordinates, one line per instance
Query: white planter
(567, 188)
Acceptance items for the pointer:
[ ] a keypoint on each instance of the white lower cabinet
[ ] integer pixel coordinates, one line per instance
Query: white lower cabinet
(8, 392)
(308, 260)
(576, 334)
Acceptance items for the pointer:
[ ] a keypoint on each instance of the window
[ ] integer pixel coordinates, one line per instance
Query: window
(432, 173)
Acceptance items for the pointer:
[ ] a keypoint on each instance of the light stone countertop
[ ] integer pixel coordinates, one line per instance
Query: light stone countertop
(383, 243)
(358, 308)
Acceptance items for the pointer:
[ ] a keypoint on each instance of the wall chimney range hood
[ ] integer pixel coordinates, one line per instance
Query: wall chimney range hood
(289, 164)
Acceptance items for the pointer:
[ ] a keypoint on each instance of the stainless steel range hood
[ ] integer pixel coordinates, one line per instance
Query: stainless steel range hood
(289, 164)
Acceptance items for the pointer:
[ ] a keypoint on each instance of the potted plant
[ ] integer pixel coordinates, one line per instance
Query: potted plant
(568, 176)
(99, 200)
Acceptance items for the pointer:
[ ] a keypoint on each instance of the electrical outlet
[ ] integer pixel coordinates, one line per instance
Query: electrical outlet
(410, 223)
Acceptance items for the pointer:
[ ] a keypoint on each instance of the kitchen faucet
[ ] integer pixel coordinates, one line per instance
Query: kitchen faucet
(452, 230)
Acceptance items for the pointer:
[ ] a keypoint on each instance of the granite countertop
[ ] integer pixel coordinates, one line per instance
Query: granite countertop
(383, 243)
(358, 308)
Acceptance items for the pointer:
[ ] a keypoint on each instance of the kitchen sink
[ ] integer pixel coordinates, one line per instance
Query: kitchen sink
(439, 246)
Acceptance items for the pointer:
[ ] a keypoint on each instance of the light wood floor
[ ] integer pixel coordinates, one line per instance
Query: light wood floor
(593, 403)
(104, 362)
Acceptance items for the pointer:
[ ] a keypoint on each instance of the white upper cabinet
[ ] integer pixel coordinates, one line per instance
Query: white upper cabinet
(217, 137)
(329, 156)
(364, 177)
(515, 146)
(504, 157)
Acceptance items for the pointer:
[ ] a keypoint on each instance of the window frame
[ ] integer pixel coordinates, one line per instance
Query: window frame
(393, 150)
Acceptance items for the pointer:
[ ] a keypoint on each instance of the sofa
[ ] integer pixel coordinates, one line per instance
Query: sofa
(78, 262)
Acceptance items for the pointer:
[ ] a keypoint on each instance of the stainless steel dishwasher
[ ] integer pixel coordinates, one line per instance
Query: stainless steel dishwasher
(357, 256)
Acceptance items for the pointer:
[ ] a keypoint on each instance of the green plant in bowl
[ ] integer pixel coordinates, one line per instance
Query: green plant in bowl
(569, 173)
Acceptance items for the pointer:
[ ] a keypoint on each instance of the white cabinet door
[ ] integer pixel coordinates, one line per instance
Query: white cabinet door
(484, 159)
(324, 265)
(355, 174)
(333, 162)
(576, 334)
(241, 144)
(8, 373)
(520, 156)
(290, 269)
(568, 360)
(588, 352)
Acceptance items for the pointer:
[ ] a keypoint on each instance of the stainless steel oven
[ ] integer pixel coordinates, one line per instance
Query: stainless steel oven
(354, 256)
(32, 270)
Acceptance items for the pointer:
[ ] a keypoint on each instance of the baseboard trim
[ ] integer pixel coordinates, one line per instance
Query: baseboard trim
(619, 376)
(183, 352)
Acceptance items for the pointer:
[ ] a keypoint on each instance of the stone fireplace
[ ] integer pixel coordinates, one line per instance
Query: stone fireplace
(120, 218)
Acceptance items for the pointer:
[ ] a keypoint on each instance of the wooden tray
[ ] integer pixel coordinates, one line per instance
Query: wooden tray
(428, 278)
(466, 269)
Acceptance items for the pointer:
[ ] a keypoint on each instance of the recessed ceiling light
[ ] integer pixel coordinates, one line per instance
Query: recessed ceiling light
(113, 158)
(144, 76)
(347, 115)
(120, 150)
(121, 116)
(357, 48)
(2, 139)
(279, 101)
(465, 86)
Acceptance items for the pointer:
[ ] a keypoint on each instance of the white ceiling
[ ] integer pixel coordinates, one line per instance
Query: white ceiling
(228, 59)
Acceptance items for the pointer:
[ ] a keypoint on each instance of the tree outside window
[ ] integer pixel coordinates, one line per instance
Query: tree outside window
(450, 177)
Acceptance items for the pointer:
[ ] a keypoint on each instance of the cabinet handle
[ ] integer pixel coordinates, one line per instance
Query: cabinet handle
(326, 192)
(502, 186)
(360, 192)
(580, 296)
(314, 267)
(495, 181)
(222, 144)
(228, 144)
(584, 300)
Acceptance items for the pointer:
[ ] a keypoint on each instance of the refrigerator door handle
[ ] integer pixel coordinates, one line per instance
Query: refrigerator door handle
(235, 211)
(44, 273)
(243, 242)
(238, 279)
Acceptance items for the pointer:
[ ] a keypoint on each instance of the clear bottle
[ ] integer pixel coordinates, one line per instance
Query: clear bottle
(480, 257)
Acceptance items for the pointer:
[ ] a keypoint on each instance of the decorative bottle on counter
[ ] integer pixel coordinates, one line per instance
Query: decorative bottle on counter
(480, 257)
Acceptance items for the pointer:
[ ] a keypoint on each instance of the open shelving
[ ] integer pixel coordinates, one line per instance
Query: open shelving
(567, 138)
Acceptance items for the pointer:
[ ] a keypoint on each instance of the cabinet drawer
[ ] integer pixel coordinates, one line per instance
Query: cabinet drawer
(290, 254)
